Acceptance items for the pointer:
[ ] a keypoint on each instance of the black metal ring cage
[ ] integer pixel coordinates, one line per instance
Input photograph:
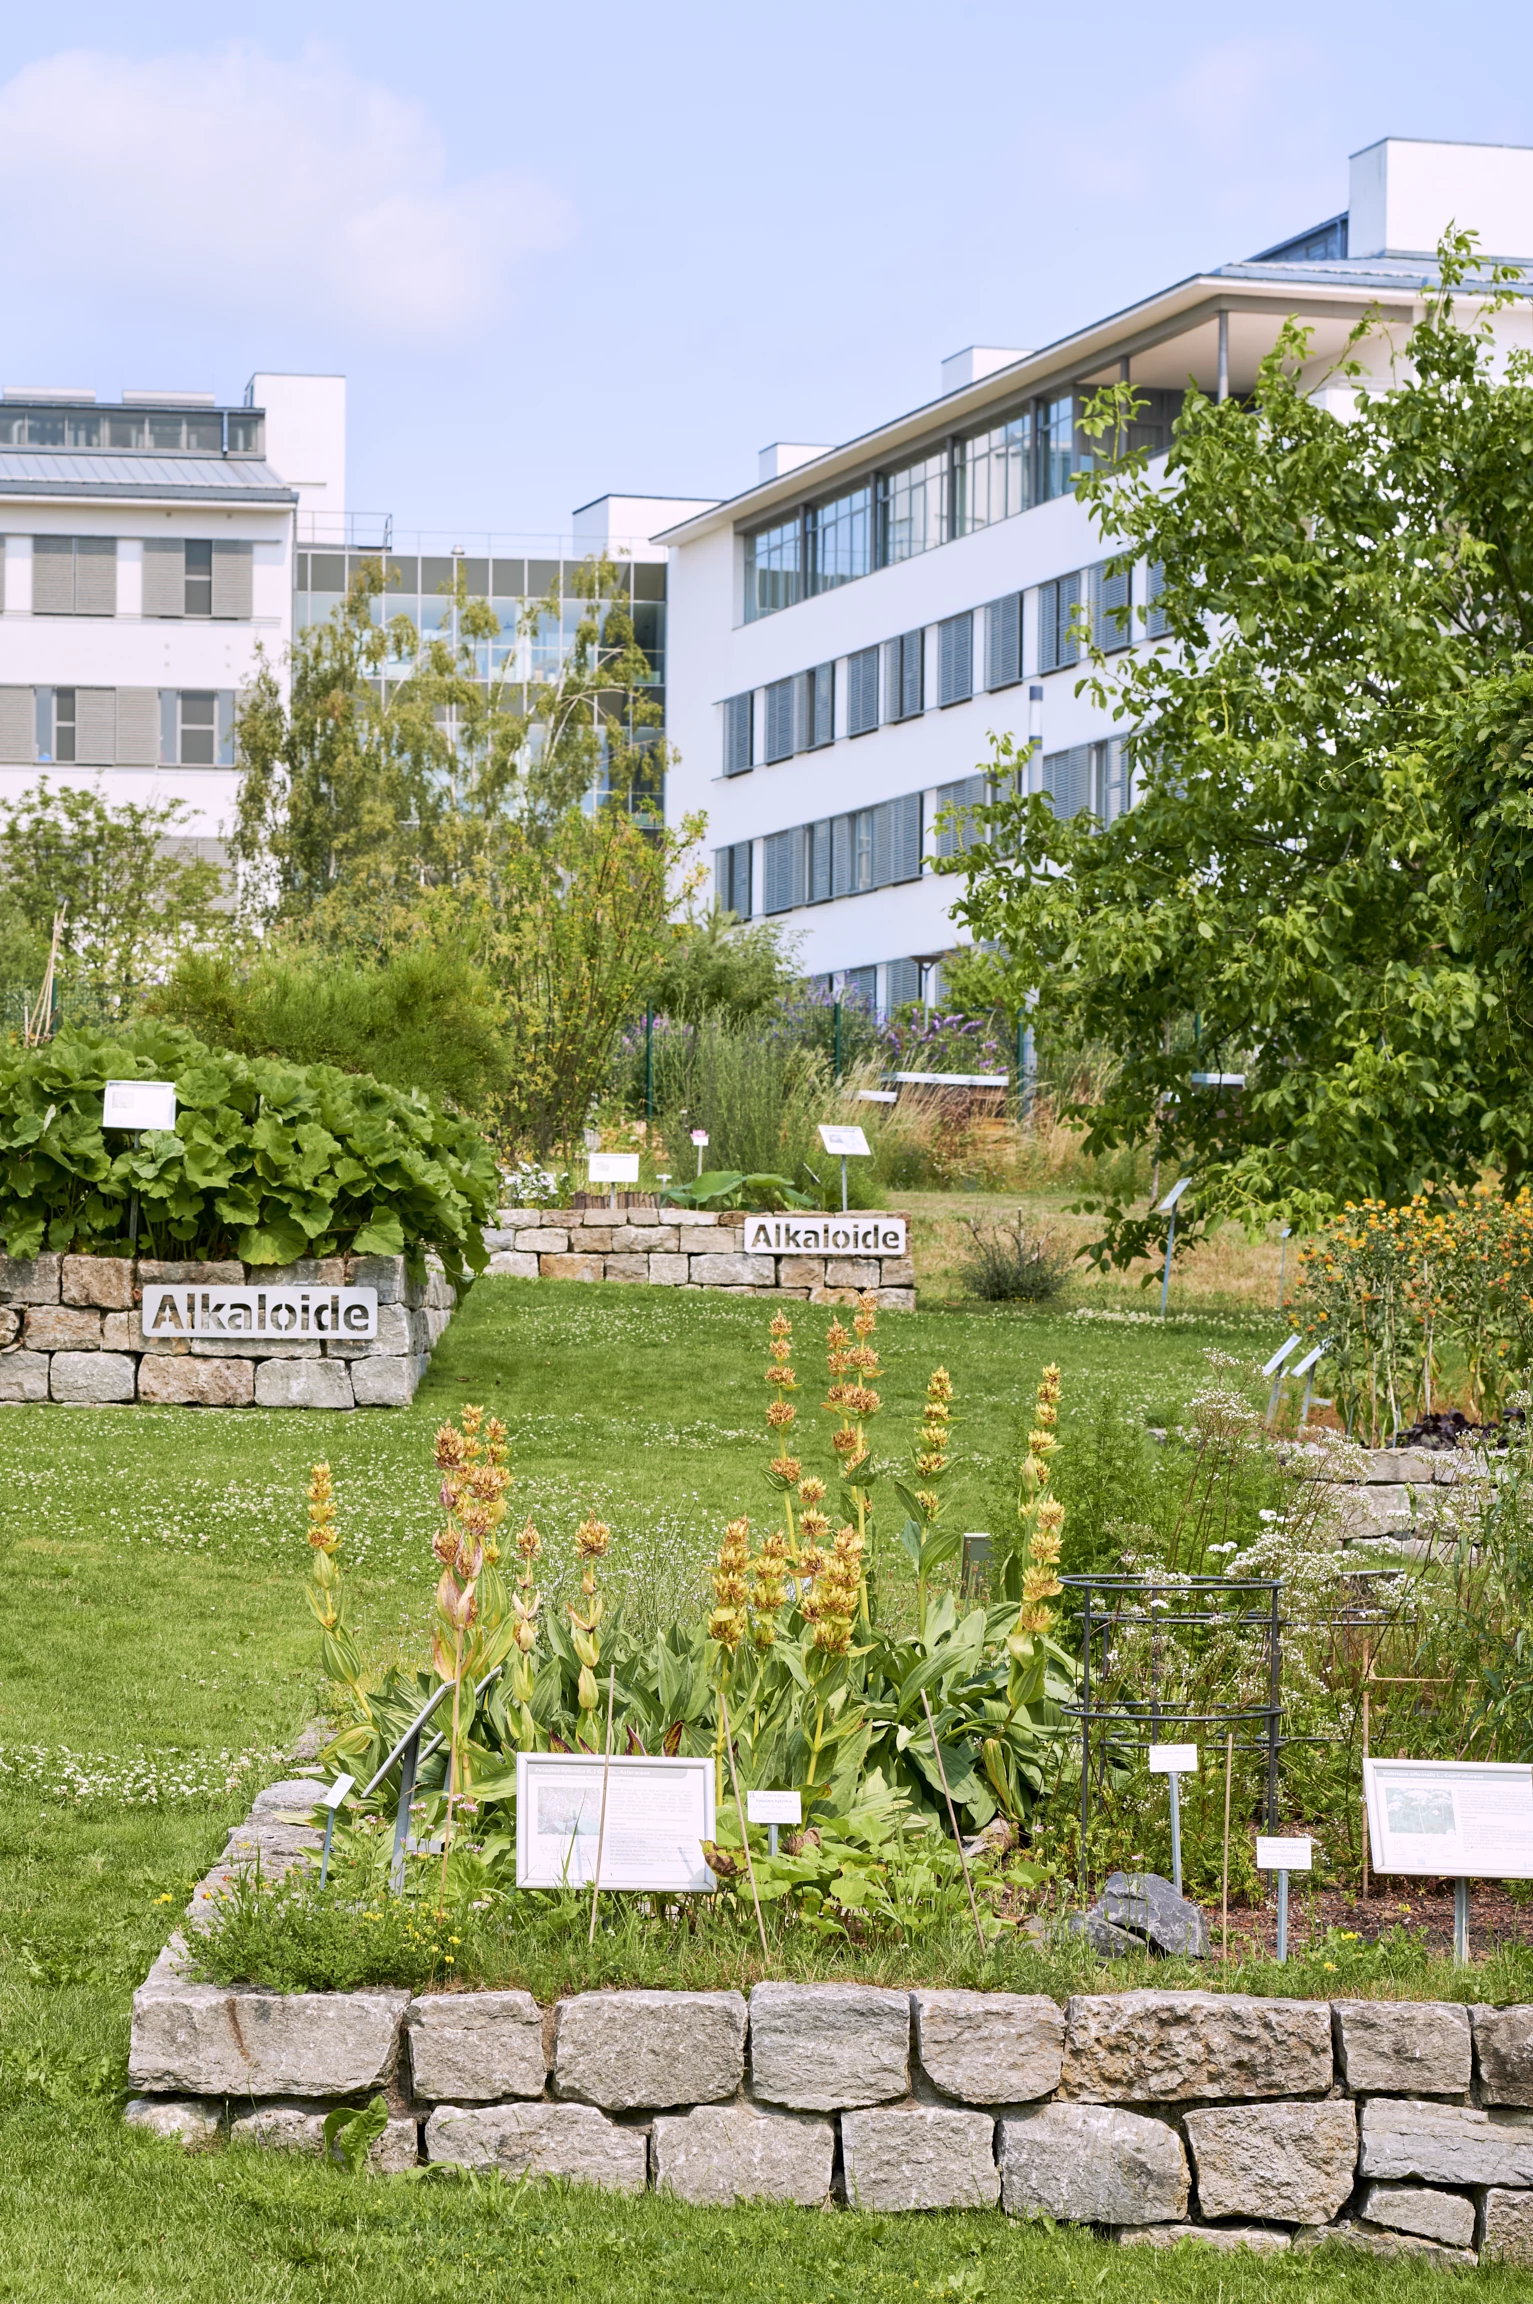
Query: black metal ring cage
(1109, 1601)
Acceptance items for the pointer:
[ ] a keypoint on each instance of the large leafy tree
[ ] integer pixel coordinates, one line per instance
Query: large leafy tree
(1324, 883)
(126, 884)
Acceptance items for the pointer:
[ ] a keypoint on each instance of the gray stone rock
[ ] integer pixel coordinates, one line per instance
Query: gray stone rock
(271, 1846)
(1281, 2163)
(223, 1273)
(473, 2047)
(209, 2040)
(1506, 2233)
(1445, 2143)
(1107, 1942)
(513, 1264)
(734, 1271)
(1149, 1907)
(1444, 2216)
(922, 2156)
(1503, 2049)
(393, 1339)
(1261, 2239)
(183, 2119)
(386, 1383)
(293, 1796)
(989, 2047)
(299, 2128)
(829, 2047)
(1092, 2164)
(303, 1384)
(105, 1281)
(23, 1375)
(1190, 2047)
(92, 1378)
(30, 1279)
(722, 2153)
(1402, 2047)
(631, 2050)
(385, 1274)
(1374, 2240)
(196, 1383)
(574, 2141)
(61, 1328)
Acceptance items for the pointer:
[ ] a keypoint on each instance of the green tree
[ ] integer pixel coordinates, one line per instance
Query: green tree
(719, 965)
(131, 895)
(1306, 891)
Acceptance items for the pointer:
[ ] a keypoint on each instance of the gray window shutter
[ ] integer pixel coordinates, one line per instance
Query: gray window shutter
(904, 982)
(1003, 641)
(96, 726)
(96, 576)
(824, 704)
(164, 576)
(955, 659)
(843, 855)
(800, 854)
(905, 837)
(893, 685)
(819, 861)
(53, 575)
(779, 720)
(18, 727)
(737, 734)
(883, 843)
(1155, 584)
(862, 692)
(777, 860)
(1048, 626)
(2, 574)
(232, 588)
(955, 839)
(138, 727)
(912, 674)
(1067, 779)
(1069, 601)
(861, 985)
(1108, 595)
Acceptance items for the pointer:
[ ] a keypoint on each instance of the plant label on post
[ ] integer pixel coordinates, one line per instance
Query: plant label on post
(330, 1800)
(613, 1168)
(846, 1144)
(659, 1813)
(1174, 1761)
(1168, 1208)
(1283, 1857)
(700, 1139)
(1275, 1369)
(1459, 1820)
(139, 1104)
(772, 1809)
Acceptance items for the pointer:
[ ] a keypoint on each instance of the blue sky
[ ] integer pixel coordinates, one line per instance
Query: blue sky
(561, 250)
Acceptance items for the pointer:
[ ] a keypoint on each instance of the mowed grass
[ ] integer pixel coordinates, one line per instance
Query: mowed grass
(153, 1637)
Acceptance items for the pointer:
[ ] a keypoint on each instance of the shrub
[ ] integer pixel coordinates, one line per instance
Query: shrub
(1010, 1265)
(268, 1161)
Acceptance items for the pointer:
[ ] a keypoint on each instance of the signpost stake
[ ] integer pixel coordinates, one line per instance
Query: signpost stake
(1282, 1942)
(1365, 1795)
(1176, 1834)
(1224, 1893)
(649, 1063)
(843, 1183)
(837, 1057)
(1461, 1922)
(745, 1838)
(952, 1814)
(771, 1839)
(601, 1828)
(1085, 1729)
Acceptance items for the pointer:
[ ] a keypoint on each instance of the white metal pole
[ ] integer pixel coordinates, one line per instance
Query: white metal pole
(1461, 1922)
(1176, 1835)
(1165, 1286)
(1282, 1942)
(843, 1183)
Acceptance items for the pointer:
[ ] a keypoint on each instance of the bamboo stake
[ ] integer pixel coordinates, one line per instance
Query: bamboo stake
(1224, 1895)
(745, 1838)
(1365, 1798)
(953, 1820)
(601, 1829)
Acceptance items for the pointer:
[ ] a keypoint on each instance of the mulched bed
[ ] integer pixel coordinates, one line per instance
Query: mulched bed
(1422, 1906)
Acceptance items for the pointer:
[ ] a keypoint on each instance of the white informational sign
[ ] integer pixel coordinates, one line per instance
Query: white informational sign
(659, 1813)
(846, 1143)
(700, 1137)
(877, 1096)
(336, 1793)
(1173, 1759)
(1452, 1819)
(613, 1168)
(1173, 1196)
(773, 1808)
(1283, 1855)
(139, 1104)
(349, 1314)
(825, 1235)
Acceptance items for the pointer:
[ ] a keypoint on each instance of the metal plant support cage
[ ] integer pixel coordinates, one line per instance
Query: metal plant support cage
(1251, 1607)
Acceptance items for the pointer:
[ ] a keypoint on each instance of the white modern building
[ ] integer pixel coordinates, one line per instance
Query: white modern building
(845, 636)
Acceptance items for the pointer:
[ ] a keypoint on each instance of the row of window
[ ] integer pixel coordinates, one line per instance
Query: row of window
(969, 482)
(134, 431)
(414, 573)
(77, 576)
(1092, 776)
(888, 682)
(117, 727)
(838, 856)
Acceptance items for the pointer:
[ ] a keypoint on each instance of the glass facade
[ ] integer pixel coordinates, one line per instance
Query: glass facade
(841, 540)
(993, 475)
(912, 509)
(773, 569)
(135, 431)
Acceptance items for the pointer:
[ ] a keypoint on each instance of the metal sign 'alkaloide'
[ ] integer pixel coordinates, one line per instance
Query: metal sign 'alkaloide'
(348, 1314)
(825, 1235)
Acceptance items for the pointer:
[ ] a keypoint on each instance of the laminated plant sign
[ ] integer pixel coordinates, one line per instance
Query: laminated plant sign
(139, 1104)
(659, 1813)
(613, 1168)
(1451, 1819)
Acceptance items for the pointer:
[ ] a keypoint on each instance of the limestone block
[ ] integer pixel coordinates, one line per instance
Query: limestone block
(1186, 2047)
(1503, 2050)
(197, 1383)
(545, 1240)
(555, 1267)
(513, 1264)
(1261, 2239)
(273, 1843)
(896, 1272)
(1378, 1511)
(223, 1274)
(824, 2047)
(499, 1236)
(251, 1347)
(61, 1328)
(106, 1281)
(206, 2040)
(120, 1332)
(473, 2047)
(91, 1376)
(1385, 1465)
(23, 1376)
(668, 1271)
(1402, 2047)
(392, 1341)
(1506, 2235)
(1447, 2217)
(734, 1271)
(186, 2119)
(1445, 2143)
(852, 1272)
(303, 1272)
(299, 2128)
(1374, 2240)
(384, 1273)
(30, 1279)
(922, 2156)
(1283, 2163)
(289, 1797)
(1092, 2164)
(644, 1239)
(701, 1217)
(386, 1383)
(723, 2153)
(629, 1268)
(303, 1384)
(989, 2047)
(801, 1271)
(896, 1299)
(574, 2141)
(592, 1239)
(11, 1318)
(627, 2050)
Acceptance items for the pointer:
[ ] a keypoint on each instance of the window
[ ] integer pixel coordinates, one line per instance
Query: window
(1003, 641)
(992, 475)
(772, 569)
(1057, 461)
(199, 728)
(840, 540)
(1109, 608)
(738, 712)
(74, 575)
(959, 834)
(844, 855)
(1057, 603)
(246, 435)
(912, 509)
(904, 984)
(1110, 778)
(818, 861)
(955, 659)
(816, 707)
(199, 579)
(860, 986)
(779, 721)
(783, 870)
(1067, 779)
(732, 878)
(63, 730)
(862, 692)
(905, 676)
(1154, 615)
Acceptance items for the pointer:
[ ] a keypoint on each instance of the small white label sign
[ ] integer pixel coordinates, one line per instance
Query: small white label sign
(1173, 1759)
(847, 1143)
(1283, 1855)
(700, 1137)
(659, 1813)
(613, 1168)
(349, 1314)
(773, 1808)
(139, 1104)
(1452, 1819)
(825, 1235)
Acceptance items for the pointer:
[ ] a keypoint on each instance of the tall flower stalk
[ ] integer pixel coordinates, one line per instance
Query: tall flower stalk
(592, 1539)
(853, 1363)
(472, 1633)
(1033, 1570)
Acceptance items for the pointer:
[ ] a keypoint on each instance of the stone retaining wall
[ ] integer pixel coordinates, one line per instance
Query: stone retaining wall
(1396, 2127)
(1398, 1500)
(686, 1248)
(69, 1331)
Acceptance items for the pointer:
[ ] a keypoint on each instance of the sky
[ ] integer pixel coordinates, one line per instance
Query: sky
(561, 251)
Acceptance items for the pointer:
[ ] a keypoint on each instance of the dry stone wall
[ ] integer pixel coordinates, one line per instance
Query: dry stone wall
(1399, 1502)
(696, 1248)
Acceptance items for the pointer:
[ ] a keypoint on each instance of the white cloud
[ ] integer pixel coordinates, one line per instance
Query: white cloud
(240, 183)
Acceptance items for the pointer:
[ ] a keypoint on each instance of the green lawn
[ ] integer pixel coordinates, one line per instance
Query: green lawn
(153, 1640)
